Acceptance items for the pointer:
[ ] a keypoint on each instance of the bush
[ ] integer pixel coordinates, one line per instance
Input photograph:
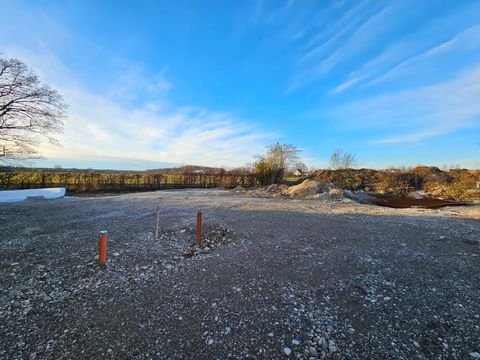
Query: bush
(267, 173)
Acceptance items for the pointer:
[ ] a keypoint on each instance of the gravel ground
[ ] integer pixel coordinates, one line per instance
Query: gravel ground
(277, 278)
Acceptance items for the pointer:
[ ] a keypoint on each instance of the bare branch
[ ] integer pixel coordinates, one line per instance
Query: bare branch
(342, 160)
(29, 111)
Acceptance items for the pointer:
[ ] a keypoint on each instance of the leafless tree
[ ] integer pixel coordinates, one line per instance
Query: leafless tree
(29, 111)
(342, 160)
(282, 156)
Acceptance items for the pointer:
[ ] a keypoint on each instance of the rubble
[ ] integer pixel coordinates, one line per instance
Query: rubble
(308, 189)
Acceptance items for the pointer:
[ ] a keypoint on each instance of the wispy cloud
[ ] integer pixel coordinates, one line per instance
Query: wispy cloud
(108, 125)
(362, 35)
(424, 48)
(354, 32)
(414, 115)
(463, 42)
(346, 23)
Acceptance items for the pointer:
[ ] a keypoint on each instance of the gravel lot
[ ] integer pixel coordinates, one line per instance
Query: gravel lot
(277, 278)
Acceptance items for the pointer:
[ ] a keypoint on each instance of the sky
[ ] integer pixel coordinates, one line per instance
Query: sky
(163, 83)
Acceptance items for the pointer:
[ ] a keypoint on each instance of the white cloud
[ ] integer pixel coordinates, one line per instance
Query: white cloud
(464, 41)
(414, 115)
(345, 24)
(460, 34)
(352, 33)
(347, 84)
(98, 125)
(105, 126)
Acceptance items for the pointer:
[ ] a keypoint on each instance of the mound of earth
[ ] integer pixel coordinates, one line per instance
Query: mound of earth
(305, 189)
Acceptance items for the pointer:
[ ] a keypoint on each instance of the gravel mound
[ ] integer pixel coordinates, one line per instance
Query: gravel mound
(308, 189)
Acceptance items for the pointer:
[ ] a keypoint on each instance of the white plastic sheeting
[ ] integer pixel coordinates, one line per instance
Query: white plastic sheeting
(20, 195)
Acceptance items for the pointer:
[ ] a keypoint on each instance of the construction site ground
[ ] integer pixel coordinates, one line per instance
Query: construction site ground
(275, 278)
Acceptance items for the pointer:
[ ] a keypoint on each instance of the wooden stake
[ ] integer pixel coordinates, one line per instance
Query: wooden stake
(199, 228)
(158, 223)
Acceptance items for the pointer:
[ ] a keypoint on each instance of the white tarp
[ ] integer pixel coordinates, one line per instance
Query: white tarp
(20, 195)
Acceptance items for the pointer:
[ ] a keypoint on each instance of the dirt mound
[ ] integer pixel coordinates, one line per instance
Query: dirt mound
(459, 184)
(315, 189)
(270, 191)
(307, 188)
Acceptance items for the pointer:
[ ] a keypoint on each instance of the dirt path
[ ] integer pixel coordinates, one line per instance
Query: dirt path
(306, 278)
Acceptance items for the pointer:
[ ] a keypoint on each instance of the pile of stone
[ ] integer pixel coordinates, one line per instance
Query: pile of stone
(308, 189)
(213, 236)
(311, 189)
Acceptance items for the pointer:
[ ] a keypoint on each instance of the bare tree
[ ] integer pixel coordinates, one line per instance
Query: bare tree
(29, 111)
(299, 165)
(282, 156)
(342, 160)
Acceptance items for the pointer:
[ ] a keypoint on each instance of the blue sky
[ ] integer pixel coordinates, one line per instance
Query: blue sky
(150, 83)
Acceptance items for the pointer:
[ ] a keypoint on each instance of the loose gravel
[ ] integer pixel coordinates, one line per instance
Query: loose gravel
(275, 278)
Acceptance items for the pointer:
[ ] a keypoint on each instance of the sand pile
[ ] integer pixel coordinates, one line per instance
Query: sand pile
(307, 188)
(315, 189)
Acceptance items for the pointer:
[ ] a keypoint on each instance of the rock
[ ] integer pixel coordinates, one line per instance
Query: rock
(312, 351)
(331, 346)
(416, 344)
(475, 355)
(270, 334)
(295, 342)
(287, 351)
(210, 342)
